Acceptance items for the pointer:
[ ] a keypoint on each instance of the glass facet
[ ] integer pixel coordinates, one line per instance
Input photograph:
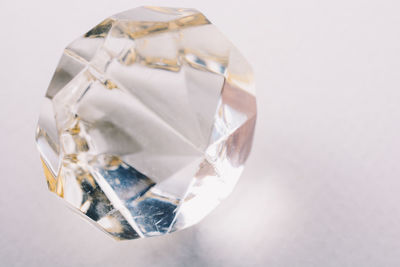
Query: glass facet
(147, 121)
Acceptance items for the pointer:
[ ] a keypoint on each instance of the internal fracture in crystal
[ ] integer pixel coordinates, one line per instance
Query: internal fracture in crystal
(147, 121)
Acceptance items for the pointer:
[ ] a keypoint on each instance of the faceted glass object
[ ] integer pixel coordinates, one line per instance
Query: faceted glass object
(147, 121)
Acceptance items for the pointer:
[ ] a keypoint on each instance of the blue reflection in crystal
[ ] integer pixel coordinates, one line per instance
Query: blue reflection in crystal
(153, 214)
(127, 182)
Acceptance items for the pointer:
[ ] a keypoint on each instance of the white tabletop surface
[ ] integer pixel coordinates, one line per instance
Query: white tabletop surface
(321, 187)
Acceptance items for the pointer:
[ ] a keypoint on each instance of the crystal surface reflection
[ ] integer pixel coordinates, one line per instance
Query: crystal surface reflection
(147, 121)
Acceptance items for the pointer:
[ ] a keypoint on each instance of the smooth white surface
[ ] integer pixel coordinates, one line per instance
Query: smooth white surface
(322, 185)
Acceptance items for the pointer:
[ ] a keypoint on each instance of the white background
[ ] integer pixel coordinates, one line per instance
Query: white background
(321, 187)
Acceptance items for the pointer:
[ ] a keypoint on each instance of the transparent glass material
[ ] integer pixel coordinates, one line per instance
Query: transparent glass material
(147, 121)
